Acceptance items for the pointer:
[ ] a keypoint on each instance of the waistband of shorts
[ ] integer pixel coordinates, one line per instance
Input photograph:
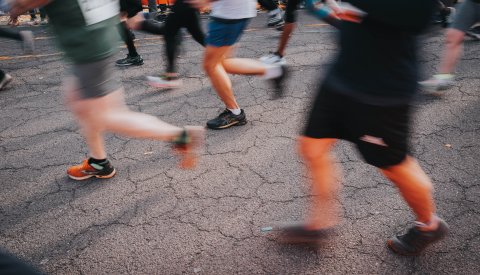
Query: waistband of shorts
(227, 21)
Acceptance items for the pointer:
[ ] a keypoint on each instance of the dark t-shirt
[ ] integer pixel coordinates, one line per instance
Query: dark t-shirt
(377, 61)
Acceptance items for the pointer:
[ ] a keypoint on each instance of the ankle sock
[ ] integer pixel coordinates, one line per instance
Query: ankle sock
(235, 111)
(97, 161)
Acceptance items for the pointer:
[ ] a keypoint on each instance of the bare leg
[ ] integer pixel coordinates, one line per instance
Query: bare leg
(324, 174)
(453, 50)
(286, 34)
(109, 113)
(415, 187)
(212, 63)
(244, 66)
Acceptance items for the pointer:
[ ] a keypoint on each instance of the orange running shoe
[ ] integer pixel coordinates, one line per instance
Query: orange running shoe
(85, 170)
(188, 144)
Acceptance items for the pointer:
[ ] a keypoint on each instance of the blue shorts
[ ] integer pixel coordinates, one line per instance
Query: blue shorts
(223, 32)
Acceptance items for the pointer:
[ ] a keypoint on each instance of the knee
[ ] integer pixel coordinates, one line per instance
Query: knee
(312, 149)
(208, 66)
(454, 38)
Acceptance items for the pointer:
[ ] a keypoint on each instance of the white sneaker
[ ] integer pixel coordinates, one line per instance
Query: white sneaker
(438, 82)
(273, 58)
(5, 80)
(164, 82)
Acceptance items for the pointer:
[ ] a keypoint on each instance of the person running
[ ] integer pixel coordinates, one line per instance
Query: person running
(181, 15)
(366, 99)
(128, 9)
(327, 15)
(228, 19)
(86, 31)
(467, 16)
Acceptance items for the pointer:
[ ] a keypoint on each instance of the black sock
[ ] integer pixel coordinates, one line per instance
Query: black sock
(97, 161)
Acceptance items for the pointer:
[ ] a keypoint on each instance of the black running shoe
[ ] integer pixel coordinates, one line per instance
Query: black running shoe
(226, 120)
(130, 61)
(299, 234)
(279, 83)
(415, 241)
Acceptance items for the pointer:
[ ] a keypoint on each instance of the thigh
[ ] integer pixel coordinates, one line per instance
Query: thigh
(96, 79)
(326, 116)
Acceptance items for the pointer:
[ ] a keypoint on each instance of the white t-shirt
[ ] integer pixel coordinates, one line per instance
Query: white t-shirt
(234, 9)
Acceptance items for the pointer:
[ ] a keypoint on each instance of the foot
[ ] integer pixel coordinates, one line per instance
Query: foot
(299, 234)
(43, 22)
(188, 145)
(438, 82)
(226, 120)
(279, 83)
(474, 33)
(275, 20)
(415, 240)
(86, 170)
(273, 58)
(164, 81)
(5, 80)
(130, 61)
(28, 41)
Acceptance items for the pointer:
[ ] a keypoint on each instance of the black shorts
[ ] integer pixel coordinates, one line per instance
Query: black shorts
(379, 132)
(131, 7)
(291, 11)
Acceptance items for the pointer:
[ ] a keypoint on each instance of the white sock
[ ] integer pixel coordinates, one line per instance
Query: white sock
(235, 111)
(272, 71)
(273, 12)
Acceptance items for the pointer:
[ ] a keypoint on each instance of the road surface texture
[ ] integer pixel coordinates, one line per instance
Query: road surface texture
(153, 218)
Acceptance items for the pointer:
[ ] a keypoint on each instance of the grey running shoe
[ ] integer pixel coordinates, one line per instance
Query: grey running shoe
(438, 82)
(28, 41)
(226, 120)
(415, 241)
(275, 20)
(5, 80)
(130, 61)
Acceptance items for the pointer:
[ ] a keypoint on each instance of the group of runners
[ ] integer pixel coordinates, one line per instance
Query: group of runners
(365, 97)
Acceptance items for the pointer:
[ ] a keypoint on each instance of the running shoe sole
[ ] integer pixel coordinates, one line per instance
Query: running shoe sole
(96, 176)
(236, 123)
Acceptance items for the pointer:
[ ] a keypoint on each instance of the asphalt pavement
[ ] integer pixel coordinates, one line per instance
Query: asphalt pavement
(153, 218)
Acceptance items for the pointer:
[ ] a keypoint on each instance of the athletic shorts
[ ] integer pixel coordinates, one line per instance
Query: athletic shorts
(131, 7)
(380, 133)
(291, 11)
(225, 32)
(96, 79)
(468, 14)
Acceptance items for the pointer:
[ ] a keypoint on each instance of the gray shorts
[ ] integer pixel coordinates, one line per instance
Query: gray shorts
(468, 14)
(96, 79)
